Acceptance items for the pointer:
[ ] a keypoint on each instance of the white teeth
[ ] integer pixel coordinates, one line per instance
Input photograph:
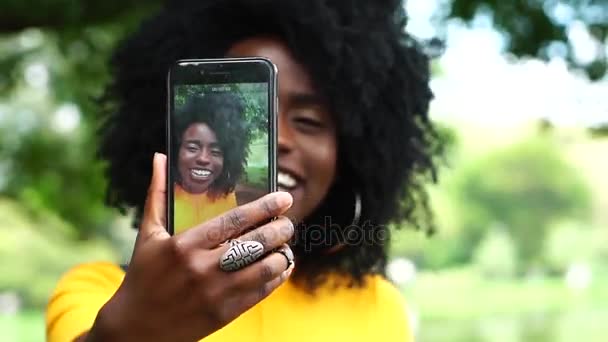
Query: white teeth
(201, 173)
(286, 181)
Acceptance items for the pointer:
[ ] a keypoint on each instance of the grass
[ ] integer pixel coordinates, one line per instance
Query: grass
(462, 294)
(458, 305)
(258, 153)
(256, 173)
(23, 327)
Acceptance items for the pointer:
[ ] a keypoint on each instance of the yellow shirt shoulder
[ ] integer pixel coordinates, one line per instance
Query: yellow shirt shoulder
(190, 210)
(375, 312)
(79, 295)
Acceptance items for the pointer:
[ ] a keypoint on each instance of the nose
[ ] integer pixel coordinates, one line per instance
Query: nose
(204, 157)
(285, 138)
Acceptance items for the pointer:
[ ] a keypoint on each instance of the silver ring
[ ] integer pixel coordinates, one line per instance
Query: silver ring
(240, 254)
(288, 254)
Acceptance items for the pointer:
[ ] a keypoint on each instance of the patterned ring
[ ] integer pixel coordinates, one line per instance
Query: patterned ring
(287, 253)
(240, 254)
(231, 242)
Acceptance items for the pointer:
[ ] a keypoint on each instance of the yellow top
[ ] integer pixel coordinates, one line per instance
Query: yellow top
(375, 312)
(192, 209)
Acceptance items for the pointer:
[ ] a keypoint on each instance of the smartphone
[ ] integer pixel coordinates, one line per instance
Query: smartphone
(221, 137)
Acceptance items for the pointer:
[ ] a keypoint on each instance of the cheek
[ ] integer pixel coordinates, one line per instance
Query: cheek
(185, 156)
(181, 158)
(324, 155)
(219, 162)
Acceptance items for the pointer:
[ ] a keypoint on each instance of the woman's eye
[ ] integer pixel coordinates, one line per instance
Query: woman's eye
(192, 148)
(216, 153)
(308, 122)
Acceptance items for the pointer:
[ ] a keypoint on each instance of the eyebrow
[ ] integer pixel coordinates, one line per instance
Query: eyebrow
(305, 100)
(198, 142)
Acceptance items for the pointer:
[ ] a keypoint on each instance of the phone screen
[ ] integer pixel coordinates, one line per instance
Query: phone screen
(221, 138)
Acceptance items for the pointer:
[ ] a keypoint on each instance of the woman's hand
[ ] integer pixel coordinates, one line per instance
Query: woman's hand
(175, 290)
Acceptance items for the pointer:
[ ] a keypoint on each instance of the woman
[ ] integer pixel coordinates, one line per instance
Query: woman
(355, 148)
(211, 147)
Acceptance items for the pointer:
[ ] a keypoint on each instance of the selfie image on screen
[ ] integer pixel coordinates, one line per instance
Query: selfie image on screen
(220, 149)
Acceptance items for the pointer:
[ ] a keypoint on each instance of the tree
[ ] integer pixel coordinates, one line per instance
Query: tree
(539, 28)
(526, 188)
(531, 26)
(47, 167)
(57, 15)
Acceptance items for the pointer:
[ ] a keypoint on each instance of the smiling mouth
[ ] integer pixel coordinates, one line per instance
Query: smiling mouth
(286, 181)
(200, 174)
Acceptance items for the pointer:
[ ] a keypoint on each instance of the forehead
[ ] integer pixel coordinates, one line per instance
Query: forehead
(293, 77)
(199, 131)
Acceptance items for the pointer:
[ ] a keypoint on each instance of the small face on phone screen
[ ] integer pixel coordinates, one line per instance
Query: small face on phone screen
(221, 138)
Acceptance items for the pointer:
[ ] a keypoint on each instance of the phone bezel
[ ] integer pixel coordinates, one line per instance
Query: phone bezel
(213, 71)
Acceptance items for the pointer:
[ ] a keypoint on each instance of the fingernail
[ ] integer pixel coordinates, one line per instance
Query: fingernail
(284, 199)
(288, 271)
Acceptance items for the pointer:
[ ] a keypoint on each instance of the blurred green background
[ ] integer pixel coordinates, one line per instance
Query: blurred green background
(522, 207)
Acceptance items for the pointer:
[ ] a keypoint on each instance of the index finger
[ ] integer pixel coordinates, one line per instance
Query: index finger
(233, 223)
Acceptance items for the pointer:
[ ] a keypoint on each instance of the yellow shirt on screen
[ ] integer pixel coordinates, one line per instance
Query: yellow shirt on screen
(190, 210)
(373, 313)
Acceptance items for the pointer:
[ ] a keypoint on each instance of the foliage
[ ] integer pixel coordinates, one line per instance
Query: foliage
(49, 145)
(526, 187)
(532, 28)
(69, 184)
(571, 242)
(599, 131)
(465, 223)
(50, 251)
(23, 327)
(16, 15)
(496, 256)
(462, 293)
(459, 305)
(539, 28)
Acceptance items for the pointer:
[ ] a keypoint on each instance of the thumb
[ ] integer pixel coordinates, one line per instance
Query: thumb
(153, 221)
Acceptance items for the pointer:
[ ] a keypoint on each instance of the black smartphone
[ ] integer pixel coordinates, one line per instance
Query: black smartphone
(221, 137)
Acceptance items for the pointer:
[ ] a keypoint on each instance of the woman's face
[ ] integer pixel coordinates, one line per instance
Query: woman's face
(200, 158)
(306, 131)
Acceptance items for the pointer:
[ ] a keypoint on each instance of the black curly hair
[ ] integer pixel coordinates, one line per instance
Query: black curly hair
(376, 82)
(223, 112)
